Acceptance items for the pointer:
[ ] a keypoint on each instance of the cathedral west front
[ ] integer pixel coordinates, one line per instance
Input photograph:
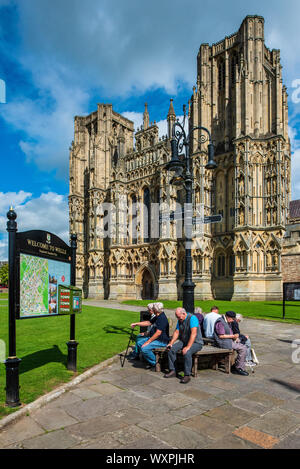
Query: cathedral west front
(240, 98)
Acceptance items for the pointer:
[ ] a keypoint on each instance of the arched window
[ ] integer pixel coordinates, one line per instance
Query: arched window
(234, 63)
(146, 215)
(133, 219)
(221, 74)
(221, 265)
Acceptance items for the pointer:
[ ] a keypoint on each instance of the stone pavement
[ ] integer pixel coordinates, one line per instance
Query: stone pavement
(134, 408)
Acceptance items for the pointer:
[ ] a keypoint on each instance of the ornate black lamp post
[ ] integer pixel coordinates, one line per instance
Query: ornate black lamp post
(182, 170)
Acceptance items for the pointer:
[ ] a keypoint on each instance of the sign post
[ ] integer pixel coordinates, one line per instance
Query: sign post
(12, 362)
(291, 292)
(72, 344)
(40, 266)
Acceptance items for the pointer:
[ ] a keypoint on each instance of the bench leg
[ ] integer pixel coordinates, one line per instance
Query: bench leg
(215, 363)
(195, 367)
(228, 363)
(157, 362)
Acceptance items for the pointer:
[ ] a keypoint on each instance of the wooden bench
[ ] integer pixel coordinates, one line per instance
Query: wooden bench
(217, 355)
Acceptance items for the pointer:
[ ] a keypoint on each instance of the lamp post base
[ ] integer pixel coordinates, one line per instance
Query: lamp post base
(72, 355)
(12, 382)
(188, 296)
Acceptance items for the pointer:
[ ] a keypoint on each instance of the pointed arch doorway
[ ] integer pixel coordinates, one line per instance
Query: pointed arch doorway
(147, 285)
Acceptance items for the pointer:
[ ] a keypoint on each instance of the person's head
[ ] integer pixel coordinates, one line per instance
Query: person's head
(230, 316)
(150, 307)
(198, 310)
(158, 308)
(214, 309)
(238, 317)
(180, 314)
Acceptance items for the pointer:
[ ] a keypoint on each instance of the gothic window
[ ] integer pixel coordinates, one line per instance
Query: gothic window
(234, 63)
(146, 215)
(221, 74)
(221, 265)
(231, 265)
(133, 220)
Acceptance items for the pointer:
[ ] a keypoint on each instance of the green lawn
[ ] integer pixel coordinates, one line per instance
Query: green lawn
(41, 344)
(271, 310)
(3, 295)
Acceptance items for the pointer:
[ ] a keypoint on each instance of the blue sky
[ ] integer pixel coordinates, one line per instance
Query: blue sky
(59, 58)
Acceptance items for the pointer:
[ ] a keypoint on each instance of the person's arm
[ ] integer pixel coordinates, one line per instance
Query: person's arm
(191, 340)
(142, 324)
(219, 328)
(229, 336)
(174, 338)
(151, 339)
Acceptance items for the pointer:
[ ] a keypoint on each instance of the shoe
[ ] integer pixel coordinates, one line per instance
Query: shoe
(171, 374)
(148, 367)
(185, 379)
(239, 371)
(133, 357)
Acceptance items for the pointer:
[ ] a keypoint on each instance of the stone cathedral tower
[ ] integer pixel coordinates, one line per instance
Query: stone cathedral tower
(241, 100)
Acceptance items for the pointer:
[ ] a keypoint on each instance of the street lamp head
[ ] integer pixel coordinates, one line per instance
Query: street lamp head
(211, 164)
(175, 165)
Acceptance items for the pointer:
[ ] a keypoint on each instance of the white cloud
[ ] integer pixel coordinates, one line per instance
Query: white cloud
(48, 212)
(74, 49)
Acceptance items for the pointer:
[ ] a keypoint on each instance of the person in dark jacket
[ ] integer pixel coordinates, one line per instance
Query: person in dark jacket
(225, 338)
(244, 339)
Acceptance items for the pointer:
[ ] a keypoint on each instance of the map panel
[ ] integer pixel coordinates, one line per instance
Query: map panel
(39, 279)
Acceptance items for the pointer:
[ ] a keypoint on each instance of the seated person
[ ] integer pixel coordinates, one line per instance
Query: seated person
(134, 355)
(244, 339)
(187, 337)
(209, 322)
(224, 338)
(200, 316)
(158, 335)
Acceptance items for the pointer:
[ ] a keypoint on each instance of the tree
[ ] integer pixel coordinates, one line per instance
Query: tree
(4, 274)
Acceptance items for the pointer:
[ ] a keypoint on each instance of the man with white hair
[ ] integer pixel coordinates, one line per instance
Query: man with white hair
(158, 335)
(187, 337)
(147, 323)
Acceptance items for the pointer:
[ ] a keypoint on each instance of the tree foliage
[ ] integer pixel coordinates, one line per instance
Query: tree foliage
(4, 274)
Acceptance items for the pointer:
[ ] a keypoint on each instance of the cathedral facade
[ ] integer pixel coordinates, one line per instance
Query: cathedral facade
(240, 98)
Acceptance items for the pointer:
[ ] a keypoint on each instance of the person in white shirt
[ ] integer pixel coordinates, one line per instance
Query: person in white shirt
(209, 322)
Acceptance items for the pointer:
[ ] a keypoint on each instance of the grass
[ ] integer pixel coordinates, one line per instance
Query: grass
(3, 295)
(269, 310)
(41, 345)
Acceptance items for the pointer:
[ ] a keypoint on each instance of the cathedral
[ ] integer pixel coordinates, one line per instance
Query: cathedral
(240, 98)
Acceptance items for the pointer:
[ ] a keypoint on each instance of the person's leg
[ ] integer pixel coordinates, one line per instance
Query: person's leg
(148, 353)
(242, 352)
(172, 355)
(188, 359)
(248, 345)
(140, 340)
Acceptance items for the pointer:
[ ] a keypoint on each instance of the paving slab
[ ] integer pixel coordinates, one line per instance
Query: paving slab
(53, 440)
(230, 415)
(260, 439)
(53, 418)
(182, 437)
(277, 422)
(208, 427)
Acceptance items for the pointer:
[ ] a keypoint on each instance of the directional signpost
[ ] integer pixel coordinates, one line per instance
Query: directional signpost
(195, 220)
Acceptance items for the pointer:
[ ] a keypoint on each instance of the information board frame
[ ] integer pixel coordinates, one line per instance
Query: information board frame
(290, 288)
(43, 245)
